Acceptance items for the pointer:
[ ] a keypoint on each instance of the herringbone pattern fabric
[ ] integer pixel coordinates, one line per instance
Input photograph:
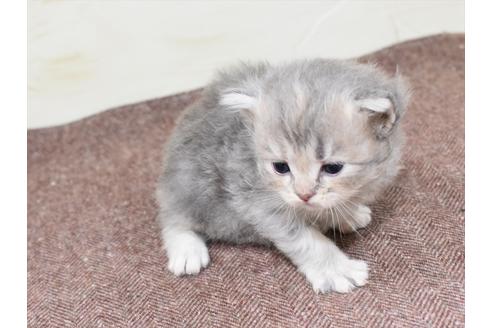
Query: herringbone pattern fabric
(94, 254)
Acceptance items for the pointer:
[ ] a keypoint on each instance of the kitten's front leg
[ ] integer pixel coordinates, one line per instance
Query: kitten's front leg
(325, 266)
(186, 251)
(355, 217)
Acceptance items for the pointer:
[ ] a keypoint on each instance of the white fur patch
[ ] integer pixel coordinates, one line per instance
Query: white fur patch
(379, 105)
(340, 275)
(236, 100)
(186, 252)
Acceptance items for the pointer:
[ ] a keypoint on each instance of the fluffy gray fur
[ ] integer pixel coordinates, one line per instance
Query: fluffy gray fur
(218, 180)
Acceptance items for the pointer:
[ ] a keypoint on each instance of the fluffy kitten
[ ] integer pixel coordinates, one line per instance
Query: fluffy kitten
(278, 155)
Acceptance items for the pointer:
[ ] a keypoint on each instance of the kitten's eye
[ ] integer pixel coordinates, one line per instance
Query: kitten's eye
(332, 168)
(281, 167)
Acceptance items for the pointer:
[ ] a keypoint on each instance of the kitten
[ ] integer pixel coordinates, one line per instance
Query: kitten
(278, 155)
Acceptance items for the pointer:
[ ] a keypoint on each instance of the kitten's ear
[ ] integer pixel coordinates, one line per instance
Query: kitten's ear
(238, 88)
(235, 99)
(385, 107)
(382, 114)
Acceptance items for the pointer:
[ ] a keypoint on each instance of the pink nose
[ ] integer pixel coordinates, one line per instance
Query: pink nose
(306, 197)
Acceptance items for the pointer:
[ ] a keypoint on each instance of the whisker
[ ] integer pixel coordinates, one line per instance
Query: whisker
(338, 221)
(368, 228)
(318, 216)
(349, 218)
(333, 224)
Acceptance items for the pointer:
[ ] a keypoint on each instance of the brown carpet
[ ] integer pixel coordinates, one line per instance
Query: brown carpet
(95, 258)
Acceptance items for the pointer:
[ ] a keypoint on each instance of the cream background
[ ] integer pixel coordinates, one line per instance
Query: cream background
(87, 56)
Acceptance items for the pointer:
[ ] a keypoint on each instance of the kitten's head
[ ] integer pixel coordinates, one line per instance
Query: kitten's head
(325, 132)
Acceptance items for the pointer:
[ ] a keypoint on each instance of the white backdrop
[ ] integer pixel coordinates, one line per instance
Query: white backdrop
(88, 56)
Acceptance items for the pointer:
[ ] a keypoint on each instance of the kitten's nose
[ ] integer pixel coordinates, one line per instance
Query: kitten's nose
(306, 197)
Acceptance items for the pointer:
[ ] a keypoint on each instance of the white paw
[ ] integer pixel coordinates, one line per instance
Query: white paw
(361, 217)
(187, 253)
(340, 276)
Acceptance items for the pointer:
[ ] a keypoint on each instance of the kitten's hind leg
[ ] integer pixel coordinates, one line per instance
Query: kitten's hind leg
(186, 251)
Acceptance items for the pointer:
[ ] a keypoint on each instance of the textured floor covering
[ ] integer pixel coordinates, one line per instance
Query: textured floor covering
(94, 254)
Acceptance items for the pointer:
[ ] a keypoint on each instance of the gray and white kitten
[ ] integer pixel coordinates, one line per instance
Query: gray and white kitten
(278, 155)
